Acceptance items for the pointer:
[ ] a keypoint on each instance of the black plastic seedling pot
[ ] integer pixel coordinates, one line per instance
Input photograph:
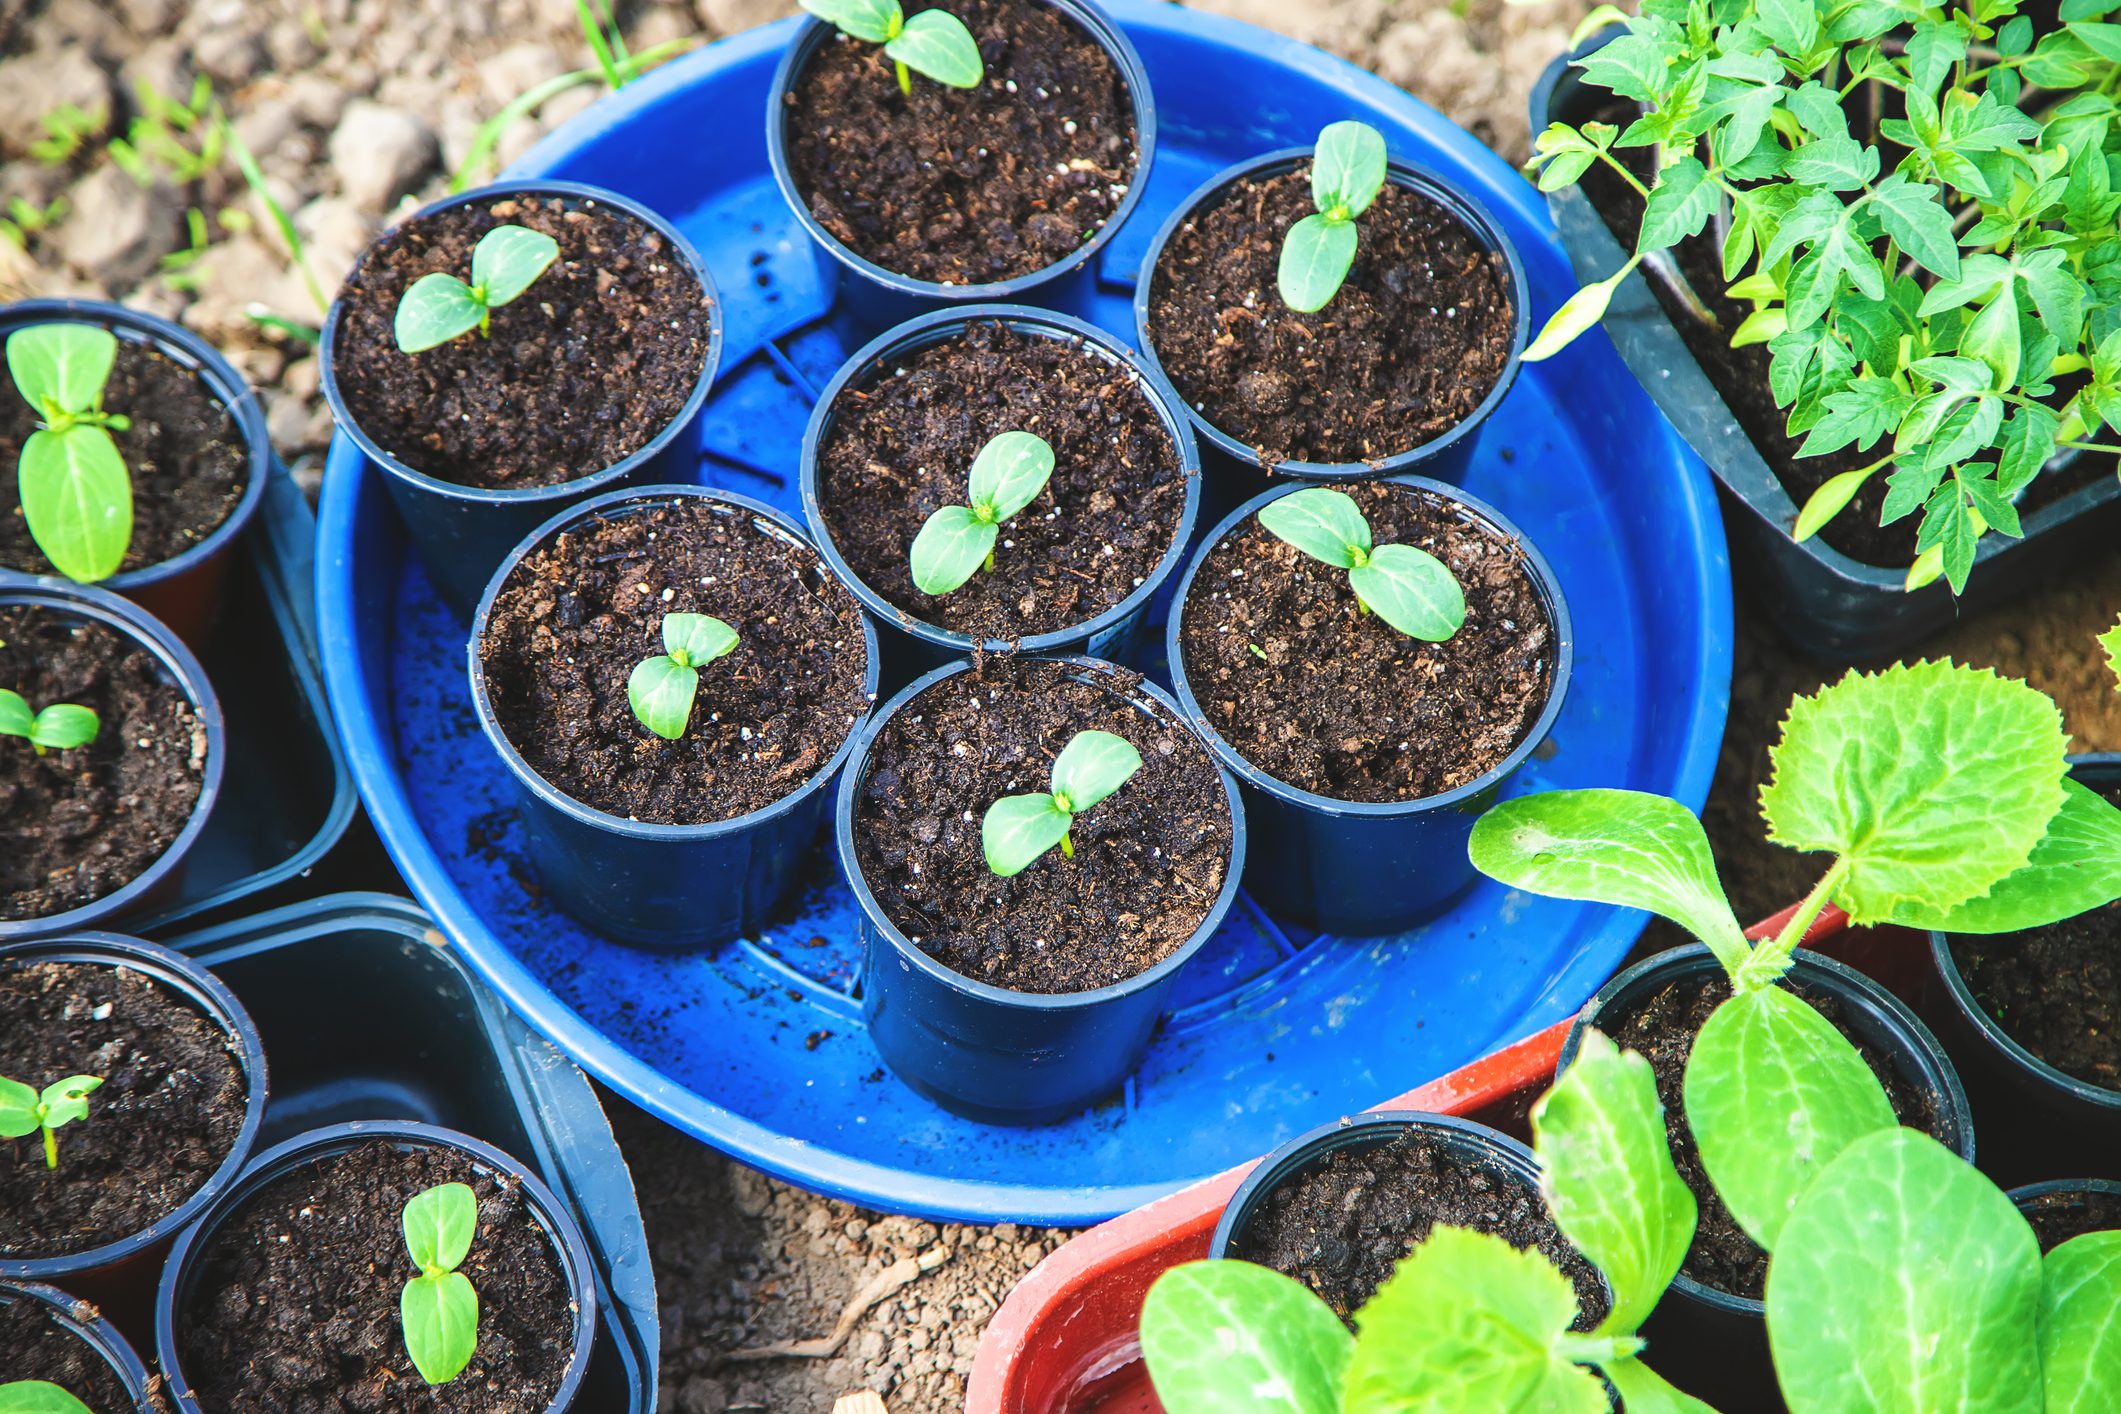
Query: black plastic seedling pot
(185, 590)
(996, 1055)
(874, 298)
(119, 1275)
(180, 1276)
(1234, 470)
(462, 532)
(651, 885)
(2039, 1122)
(1356, 868)
(86, 1324)
(1713, 1344)
(2092, 1204)
(1826, 603)
(912, 647)
(157, 884)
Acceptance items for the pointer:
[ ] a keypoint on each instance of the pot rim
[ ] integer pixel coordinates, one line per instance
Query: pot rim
(643, 498)
(85, 1323)
(561, 491)
(1536, 569)
(1468, 211)
(1152, 701)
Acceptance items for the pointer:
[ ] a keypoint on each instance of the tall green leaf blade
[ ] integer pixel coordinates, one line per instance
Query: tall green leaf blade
(1627, 848)
(1093, 765)
(871, 20)
(1576, 314)
(1411, 590)
(440, 1315)
(1774, 1094)
(936, 43)
(2080, 1325)
(439, 307)
(951, 546)
(1229, 1337)
(508, 258)
(1608, 1176)
(1316, 256)
(1323, 523)
(77, 499)
(2075, 868)
(1009, 472)
(1886, 770)
(1348, 167)
(1905, 1283)
(1017, 829)
(661, 693)
(66, 364)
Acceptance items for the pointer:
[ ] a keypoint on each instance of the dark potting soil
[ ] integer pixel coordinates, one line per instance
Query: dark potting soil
(1149, 859)
(2057, 1217)
(1415, 338)
(902, 447)
(295, 1306)
(1663, 1030)
(187, 460)
(1341, 703)
(581, 371)
(966, 186)
(83, 823)
(38, 1347)
(1342, 1227)
(164, 1120)
(581, 611)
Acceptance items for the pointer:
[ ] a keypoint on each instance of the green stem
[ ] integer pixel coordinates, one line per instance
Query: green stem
(1770, 960)
(1629, 177)
(1068, 844)
(51, 1150)
(905, 79)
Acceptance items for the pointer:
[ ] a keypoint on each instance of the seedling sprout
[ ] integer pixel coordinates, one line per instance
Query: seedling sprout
(59, 727)
(956, 541)
(934, 42)
(1019, 828)
(1410, 588)
(27, 1111)
(661, 689)
(77, 496)
(440, 307)
(1347, 173)
(438, 1308)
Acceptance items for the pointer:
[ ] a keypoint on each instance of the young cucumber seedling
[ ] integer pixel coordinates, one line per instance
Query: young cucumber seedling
(38, 1397)
(77, 496)
(438, 1308)
(1410, 588)
(935, 42)
(25, 1111)
(1007, 476)
(59, 727)
(440, 307)
(1020, 828)
(1347, 173)
(660, 690)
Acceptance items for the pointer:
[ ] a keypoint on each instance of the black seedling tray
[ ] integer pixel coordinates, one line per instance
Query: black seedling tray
(287, 796)
(367, 1014)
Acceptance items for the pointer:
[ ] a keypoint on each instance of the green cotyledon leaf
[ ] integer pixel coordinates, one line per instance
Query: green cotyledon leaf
(1233, 1338)
(2080, 1324)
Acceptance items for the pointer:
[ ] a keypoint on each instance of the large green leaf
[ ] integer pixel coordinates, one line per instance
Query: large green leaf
(65, 365)
(507, 259)
(77, 499)
(1469, 1322)
(2075, 868)
(64, 726)
(1009, 472)
(1679, 205)
(695, 640)
(1090, 767)
(1017, 829)
(1348, 168)
(1234, 1338)
(1411, 590)
(1325, 524)
(872, 20)
(440, 1316)
(1612, 846)
(19, 1114)
(2080, 1325)
(1607, 1172)
(1774, 1094)
(1316, 256)
(439, 1223)
(1905, 1283)
(951, 546)
(936, 43)
(16, 718)
(1930, 782)
(661, 691)
(439, 307)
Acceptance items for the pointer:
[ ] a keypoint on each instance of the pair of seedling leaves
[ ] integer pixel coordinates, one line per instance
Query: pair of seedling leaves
(1900, 1279)
(661, 689)
(25, 1110)
(439, 307)
(59, 727)
(934, 43)
(1017, 829)
(1347, 173)
(438, 1309)
(77, 496)
(1406, 586)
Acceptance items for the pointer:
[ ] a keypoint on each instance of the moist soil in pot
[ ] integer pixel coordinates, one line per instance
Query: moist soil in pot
(901, 447)
(1339, 703)
(1343, 1225)
(1406, 350)
(169, 1110)
(581, 371)
(2058, 1217)
(187, 459)
(1149, 859)
(296, 1297)
(966, 186)
(582, 610)
(1663, 1029)
(83, 823)
(40, 1348)
(2056, 990)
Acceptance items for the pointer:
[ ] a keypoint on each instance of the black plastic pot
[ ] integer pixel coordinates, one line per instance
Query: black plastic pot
(1355, 868)
(185, 590)
(157, 884)
(996, 1055)
(1826, 603)
(462, 532)
(1234, 470)
(662, 886)
(82, 1320)
(119, 1275)
(1710, 1343)
(2039, 1122)
(2097, 1198)
(181, 1274)
(912, 647)
(874, 298)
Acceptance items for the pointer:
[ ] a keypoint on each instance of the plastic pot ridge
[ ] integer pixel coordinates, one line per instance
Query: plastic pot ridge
(82, 1320)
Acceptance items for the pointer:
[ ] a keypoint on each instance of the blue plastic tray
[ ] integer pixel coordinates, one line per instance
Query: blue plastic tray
(760, 1051)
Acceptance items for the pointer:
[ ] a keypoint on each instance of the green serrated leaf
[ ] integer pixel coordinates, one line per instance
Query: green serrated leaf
(1992, 337)
(1316, 256)
(507, 259)
(2075, 868)
(65, 365)
(1835, 163)
(439, 307)
(1222, 1337)
(439, 1224)
(661, 692)
(77, 500)
(440, 1317)
(1679, 205)
(1411, 590)
(871, 20)
(2080, 1325)
(937, 44)
(2111, 642)
(2028, 441)
(1347, 168)
(1325, 524)
(1009, 472)
(1913, 215)
(1017, 829)
(1090, 767)
(951, 546)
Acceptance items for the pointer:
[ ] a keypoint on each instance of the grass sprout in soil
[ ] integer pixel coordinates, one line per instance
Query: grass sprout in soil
(582, 611)
(83, 823)
(40, 1347)
(966, 186)
(170, 1108)
(588, 366)
(1149, 860)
